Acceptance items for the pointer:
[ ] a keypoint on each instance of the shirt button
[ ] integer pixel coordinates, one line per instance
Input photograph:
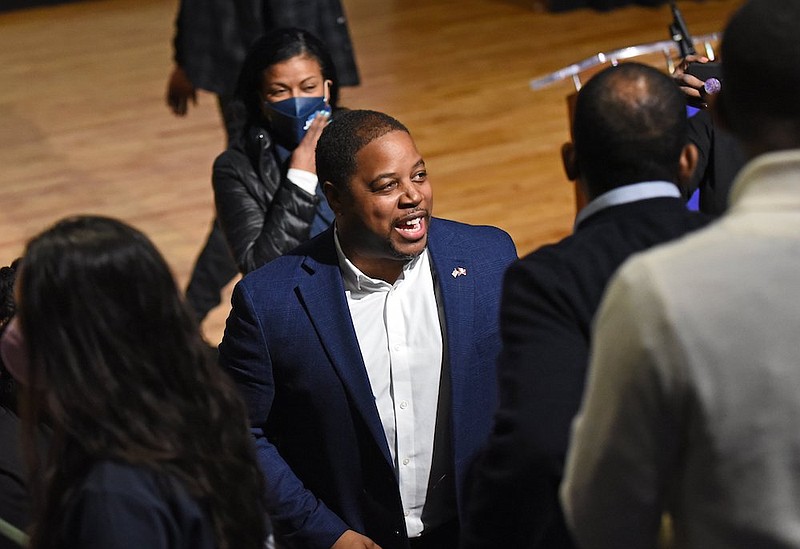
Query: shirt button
(406, 461)
(397, 347)
(403, 405)
(406, 513)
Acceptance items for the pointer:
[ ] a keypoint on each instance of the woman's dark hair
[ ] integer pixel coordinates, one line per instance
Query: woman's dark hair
(276, 47)
(119, 367)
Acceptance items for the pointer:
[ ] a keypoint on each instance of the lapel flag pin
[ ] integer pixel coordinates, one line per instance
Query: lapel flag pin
(459, 271)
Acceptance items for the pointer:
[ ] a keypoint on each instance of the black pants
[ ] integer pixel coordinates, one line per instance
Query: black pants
(213, 270)
(215, 266)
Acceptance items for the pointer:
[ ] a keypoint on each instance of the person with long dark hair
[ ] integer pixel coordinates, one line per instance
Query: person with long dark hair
(150, 445)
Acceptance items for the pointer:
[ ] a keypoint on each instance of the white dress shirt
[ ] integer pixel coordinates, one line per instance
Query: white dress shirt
(400, 336)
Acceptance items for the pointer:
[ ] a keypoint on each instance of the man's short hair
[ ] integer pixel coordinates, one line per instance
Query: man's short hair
(348, 133)
(761, 70)
(629, 126)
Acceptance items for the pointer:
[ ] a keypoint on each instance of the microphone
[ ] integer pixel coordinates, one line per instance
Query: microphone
(680, 34)
(712, 86)
(710, 74)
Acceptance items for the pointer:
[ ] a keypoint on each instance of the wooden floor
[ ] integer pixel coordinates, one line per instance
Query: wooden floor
(84, 128)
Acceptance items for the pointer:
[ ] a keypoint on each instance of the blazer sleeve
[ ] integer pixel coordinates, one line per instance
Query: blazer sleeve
(245, 356)
(259, 227)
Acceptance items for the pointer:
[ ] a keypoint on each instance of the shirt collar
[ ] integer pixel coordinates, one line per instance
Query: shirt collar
(356, 281)
(626, 194)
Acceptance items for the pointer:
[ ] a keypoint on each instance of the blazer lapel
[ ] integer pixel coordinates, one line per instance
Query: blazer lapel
(462, 286)
(322, 295)
(456, 284)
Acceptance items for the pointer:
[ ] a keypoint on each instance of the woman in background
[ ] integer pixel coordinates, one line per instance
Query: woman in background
(266, 192)
(150, 444)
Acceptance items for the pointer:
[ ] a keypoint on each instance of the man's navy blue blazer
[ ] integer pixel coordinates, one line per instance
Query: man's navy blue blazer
(291, 348)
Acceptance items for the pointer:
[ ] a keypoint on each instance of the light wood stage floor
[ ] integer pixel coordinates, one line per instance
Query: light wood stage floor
(84, 127)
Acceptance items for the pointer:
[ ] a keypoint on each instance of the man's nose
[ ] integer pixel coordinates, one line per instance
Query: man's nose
(411, 194)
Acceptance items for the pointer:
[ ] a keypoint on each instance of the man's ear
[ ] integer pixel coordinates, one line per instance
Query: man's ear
(687, 165)
(569, 160)
(334, 197)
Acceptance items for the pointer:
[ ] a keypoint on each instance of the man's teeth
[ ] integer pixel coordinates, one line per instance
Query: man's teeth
(412, 223)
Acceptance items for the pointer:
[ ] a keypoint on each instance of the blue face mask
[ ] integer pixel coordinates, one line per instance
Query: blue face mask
(291, 117)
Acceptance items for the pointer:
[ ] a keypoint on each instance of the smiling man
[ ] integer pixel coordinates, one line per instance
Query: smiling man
(366, 356)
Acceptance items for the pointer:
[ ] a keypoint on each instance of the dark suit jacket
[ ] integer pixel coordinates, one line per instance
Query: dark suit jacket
(212, 36)
(290, 345)
(720, 157)
(119, 505)
(549, 299)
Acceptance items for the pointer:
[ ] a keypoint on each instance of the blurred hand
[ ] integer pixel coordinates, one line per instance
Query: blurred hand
(179, 91)
(353, 540)
(303, 157)
(690, 85)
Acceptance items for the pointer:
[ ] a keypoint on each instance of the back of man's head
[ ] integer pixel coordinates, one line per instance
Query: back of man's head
(629, 126)
(760, 98)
